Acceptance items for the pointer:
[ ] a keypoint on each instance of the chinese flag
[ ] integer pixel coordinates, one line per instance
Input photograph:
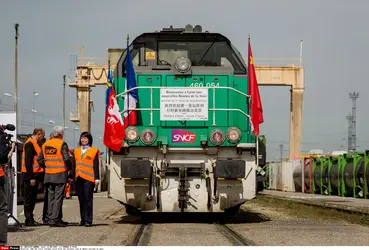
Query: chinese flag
(256, 107)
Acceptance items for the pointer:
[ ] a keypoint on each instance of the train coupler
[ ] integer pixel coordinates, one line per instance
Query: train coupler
(183, 189)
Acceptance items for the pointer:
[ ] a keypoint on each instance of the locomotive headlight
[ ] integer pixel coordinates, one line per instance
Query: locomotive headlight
(182, 64)
(233, 134)
(217, 137)
(148, 136)
(132, 134)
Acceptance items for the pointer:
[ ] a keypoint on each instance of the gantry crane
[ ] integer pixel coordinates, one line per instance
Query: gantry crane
(291, 76)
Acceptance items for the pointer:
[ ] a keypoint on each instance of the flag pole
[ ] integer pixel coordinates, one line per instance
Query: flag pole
(248, 78)
(257, 151)
(126, 88)
(109, 71)
(257, 136)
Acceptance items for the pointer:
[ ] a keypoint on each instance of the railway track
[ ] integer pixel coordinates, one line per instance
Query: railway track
(235, 238)
(142, 236)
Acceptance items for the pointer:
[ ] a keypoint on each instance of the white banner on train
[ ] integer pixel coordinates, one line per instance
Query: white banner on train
(183, 104)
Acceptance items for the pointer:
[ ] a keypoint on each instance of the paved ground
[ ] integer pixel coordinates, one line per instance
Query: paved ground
(263, 222)
(104, 231)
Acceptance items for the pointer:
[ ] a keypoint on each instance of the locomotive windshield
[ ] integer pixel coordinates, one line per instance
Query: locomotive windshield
(210, 50)
(200, 54)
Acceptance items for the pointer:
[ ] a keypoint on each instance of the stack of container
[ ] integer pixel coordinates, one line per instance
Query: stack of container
(343, 175)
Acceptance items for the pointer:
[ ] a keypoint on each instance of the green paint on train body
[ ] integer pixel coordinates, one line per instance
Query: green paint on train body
(158, 70)
(224, 99)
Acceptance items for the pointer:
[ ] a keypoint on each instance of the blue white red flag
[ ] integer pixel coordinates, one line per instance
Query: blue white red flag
(131, 98)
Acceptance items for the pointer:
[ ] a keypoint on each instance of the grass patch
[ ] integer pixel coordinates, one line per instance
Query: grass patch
(313, 212)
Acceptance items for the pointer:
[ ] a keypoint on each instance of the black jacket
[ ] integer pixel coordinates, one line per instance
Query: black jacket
(30, 153)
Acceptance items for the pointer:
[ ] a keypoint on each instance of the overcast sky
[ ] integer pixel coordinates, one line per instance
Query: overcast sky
(335, 35)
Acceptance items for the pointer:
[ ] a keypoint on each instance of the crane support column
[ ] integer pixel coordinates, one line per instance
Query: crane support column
(296, 122)
(293, 77)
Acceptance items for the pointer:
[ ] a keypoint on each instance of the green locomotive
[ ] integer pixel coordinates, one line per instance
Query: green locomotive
(191, 149)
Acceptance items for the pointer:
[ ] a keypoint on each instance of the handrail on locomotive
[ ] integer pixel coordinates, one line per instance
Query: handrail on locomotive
(151, 109)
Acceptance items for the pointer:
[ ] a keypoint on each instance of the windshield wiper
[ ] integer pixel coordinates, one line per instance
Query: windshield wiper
(206, 53)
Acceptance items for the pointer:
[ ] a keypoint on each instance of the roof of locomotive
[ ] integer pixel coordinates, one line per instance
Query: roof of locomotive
(178, 36)
(187, 34)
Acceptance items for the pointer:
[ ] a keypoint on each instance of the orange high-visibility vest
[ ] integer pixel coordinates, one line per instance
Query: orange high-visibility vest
(85, 164)
(1, 171)
(53, 156)
(36, 166)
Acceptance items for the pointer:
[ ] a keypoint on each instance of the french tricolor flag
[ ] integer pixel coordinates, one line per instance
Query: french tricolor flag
(131, 99)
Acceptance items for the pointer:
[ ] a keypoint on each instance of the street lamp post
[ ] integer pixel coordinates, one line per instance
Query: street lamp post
(7, 95)
(33, 107)
(64, 100)
(16, 79)
(18, 119)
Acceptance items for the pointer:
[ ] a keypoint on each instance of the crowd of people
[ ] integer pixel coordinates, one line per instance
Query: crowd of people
(52, 163)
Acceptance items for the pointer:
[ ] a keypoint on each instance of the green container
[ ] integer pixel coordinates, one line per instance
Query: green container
(320, 175)
(334, 175)
(366, 171)
(353, 175)
(343, 175)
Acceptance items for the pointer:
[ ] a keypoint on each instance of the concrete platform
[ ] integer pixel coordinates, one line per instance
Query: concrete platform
(104, 230)
(348, 204)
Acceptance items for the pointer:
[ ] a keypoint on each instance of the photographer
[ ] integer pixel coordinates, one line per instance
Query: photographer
(6, 150)
(3, 210)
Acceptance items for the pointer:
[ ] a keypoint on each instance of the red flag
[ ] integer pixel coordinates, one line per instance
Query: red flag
(256, 107)
(114, 133)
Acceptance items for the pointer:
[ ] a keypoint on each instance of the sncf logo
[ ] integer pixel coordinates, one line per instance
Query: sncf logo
(183, 136)
(50, 150)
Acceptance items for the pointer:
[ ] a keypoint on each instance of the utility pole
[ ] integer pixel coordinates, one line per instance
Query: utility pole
(281, 148)
(64, 79)
(353, 96)
(349, 136)
(16, 78)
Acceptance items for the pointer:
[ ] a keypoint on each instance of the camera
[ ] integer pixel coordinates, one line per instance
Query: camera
(5, 142)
